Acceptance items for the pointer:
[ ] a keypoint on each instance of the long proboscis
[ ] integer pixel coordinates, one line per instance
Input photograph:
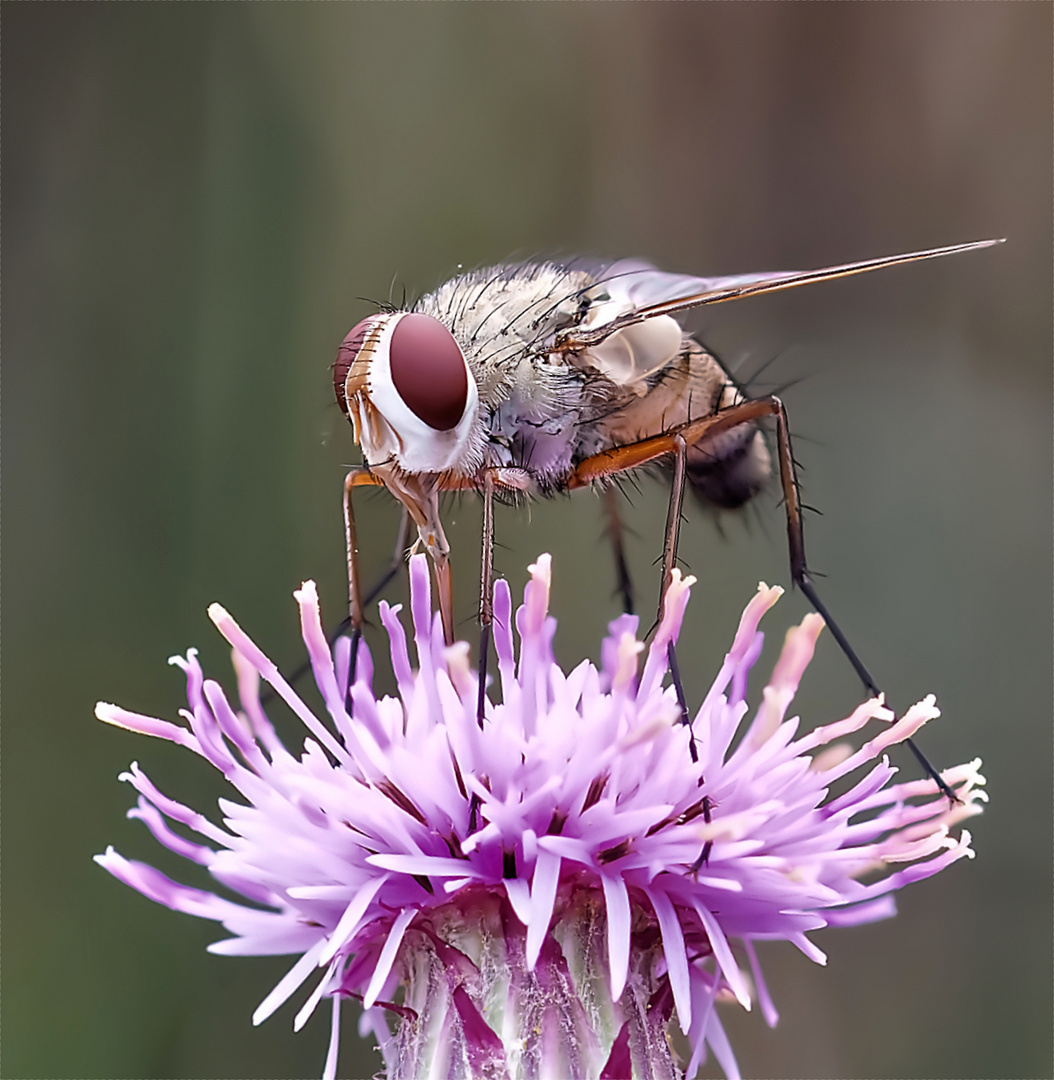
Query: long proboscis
(758, 288)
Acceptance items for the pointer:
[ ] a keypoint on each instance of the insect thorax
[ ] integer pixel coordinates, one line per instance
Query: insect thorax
(537, 408)
(543, 411)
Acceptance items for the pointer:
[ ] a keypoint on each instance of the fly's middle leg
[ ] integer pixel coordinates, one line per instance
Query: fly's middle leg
(669, 561)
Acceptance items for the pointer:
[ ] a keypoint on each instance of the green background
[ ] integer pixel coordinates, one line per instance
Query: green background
(196, 196)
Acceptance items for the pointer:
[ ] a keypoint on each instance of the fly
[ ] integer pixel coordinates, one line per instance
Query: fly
(538, 378)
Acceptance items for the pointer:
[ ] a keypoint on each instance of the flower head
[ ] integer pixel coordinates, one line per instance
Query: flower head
(542, 895)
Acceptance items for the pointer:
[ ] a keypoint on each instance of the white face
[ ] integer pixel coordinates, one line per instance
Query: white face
(404, 383)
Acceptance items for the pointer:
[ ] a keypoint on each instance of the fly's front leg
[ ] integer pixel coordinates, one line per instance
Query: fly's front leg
(398, 559)
(359, 477)
(486, 591)
(669, 561)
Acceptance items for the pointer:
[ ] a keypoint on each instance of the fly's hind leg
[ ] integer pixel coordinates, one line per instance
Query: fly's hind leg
(801, 577)
(620, 459)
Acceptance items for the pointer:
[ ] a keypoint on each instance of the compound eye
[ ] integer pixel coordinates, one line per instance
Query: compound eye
(428, 371)
(347, 354)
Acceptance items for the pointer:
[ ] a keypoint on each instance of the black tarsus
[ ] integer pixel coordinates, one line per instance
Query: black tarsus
(484, 656)
(802, 578)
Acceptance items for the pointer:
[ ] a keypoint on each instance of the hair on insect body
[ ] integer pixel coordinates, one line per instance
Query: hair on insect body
(541, 377)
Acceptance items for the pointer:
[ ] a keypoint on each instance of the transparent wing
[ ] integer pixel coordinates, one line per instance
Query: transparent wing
(630, 291)
(634, 284)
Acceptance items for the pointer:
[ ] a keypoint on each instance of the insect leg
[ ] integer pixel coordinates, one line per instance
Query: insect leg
(402, 538)
(801, 577)
(669, 561)
(625, 585)
(402, 542)
(673, 520)
(610, 462)
(360, 477)
(486, 590)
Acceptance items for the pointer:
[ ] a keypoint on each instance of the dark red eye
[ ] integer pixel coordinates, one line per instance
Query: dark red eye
(346, 354)
(429, 371)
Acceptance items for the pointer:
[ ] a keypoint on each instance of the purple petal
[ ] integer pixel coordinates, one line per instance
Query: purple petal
(404, 676)
(241, 641)
(519, 894)
(616, 897)
(329, 1072)
(350, 921)
(152, 819)
(723, 954)
(163, 890)
(318, 647)
(428, 865)
(232, 726)
(768, 1009)
(249, 696)
(387, 958)
(146, 725)
(718, 1040)
(676, 955)
(503, 641)
(885, 907)
(543, 897)
(421, 606)
(704, 991)
(624, 624)
(308, 1008)
(289, 983)
(172, 809)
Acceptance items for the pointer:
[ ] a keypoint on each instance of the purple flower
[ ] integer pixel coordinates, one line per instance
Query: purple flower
(542, 896)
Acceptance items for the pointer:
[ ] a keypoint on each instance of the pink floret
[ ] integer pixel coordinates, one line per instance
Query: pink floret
(583, 780)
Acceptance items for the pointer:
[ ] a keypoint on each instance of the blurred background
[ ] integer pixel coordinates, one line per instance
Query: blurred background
(196, 199)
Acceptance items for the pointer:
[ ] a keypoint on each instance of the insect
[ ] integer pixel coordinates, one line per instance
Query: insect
(542, 377)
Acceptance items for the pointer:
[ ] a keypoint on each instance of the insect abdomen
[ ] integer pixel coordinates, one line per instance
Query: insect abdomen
(731, 468)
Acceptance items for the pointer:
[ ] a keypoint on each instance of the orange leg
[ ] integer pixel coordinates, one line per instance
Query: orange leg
(359, 477)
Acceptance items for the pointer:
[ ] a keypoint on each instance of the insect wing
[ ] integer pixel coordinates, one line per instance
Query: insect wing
(645, 293)
(635, 285)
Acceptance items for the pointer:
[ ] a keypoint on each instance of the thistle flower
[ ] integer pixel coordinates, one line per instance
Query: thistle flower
(546, 895)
